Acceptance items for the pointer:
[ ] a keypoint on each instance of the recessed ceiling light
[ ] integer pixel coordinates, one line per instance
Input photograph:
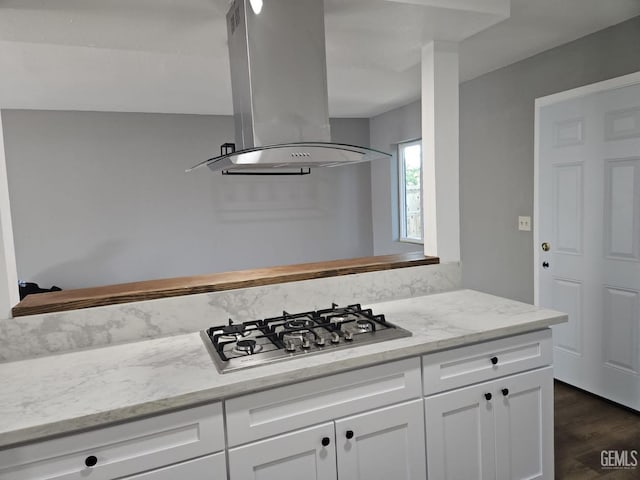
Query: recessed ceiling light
(256, 6)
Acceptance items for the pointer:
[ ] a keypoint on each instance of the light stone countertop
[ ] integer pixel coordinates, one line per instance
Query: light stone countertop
(65, 393)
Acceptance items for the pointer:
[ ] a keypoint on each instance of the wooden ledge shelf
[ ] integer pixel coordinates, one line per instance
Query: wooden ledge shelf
(216, 282)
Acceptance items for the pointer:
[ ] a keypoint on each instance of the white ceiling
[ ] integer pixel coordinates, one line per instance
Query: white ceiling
(536, 26)
(171, 55)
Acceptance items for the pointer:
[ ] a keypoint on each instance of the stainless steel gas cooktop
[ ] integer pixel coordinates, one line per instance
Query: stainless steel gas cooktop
(257, 342)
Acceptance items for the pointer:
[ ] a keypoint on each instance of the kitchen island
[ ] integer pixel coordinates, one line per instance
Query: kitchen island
(64, 394)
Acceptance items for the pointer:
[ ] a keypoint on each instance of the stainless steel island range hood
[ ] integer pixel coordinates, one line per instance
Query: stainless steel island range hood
(279, 85)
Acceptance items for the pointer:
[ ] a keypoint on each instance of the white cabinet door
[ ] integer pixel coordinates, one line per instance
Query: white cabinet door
(500, 429)
(460, 434)
(524, 425)
(383, 444)
(307, 454)
(211, 467)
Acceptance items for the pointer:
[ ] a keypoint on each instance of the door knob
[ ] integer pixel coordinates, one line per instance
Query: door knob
(546, 247)
(545, 264)
(488, 396)
(326, 441)
(349, 434)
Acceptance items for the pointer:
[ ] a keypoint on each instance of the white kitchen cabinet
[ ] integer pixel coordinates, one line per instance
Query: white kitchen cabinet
(211, 467)
(121, 450)
(460, 434)
(457, 367)
(284, 409)
(499, 429)
(307, 454)
(384, 444)
(524, 425)
(363, 424)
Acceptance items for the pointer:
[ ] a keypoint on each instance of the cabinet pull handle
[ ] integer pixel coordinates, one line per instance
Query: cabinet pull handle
(487, 396)
(91, 461)
(494, 360)
(326, 441)
(505, 391)
(349, 434)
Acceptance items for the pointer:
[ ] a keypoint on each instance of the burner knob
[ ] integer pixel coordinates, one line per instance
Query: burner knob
(290, 347)
(348, 336)
(320, 341)
(335, 338)
(306, 343)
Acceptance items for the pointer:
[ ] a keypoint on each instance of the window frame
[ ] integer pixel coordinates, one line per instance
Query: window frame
(402, 208)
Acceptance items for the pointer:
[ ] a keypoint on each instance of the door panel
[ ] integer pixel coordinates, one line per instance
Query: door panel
(294, 456)
(622, 211)
(567, 297)
(621, 124)
(568, 132)
(589, 208)
(568, 208)
(460, 434)
(621, 335)
(386, 444)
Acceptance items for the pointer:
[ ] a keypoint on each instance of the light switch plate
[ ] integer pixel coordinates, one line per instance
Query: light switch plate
(524, 224)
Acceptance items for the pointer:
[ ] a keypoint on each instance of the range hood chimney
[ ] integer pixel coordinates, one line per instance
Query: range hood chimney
(279, 84)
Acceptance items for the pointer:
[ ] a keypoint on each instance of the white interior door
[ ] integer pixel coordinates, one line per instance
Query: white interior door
(588, 201)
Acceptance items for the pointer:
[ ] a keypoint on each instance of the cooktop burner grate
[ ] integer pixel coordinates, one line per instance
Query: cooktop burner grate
(258, 342)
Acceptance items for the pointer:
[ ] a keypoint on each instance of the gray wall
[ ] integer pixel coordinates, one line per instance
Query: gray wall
(102, 198)
(386, 131)
(496, 151)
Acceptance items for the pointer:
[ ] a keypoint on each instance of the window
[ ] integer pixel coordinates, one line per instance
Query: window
(410, 188)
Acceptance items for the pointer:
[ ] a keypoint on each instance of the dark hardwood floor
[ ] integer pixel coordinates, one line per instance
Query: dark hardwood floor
(585, 425)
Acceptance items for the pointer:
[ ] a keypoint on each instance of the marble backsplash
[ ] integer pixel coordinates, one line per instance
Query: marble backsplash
(46, 334)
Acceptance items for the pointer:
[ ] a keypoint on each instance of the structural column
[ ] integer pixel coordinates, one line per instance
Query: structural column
(440, 150)
(9, 295)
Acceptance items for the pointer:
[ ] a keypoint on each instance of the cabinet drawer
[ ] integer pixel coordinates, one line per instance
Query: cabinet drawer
(211, 467)
(119, 450)
(484, 361)
(283, 409)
